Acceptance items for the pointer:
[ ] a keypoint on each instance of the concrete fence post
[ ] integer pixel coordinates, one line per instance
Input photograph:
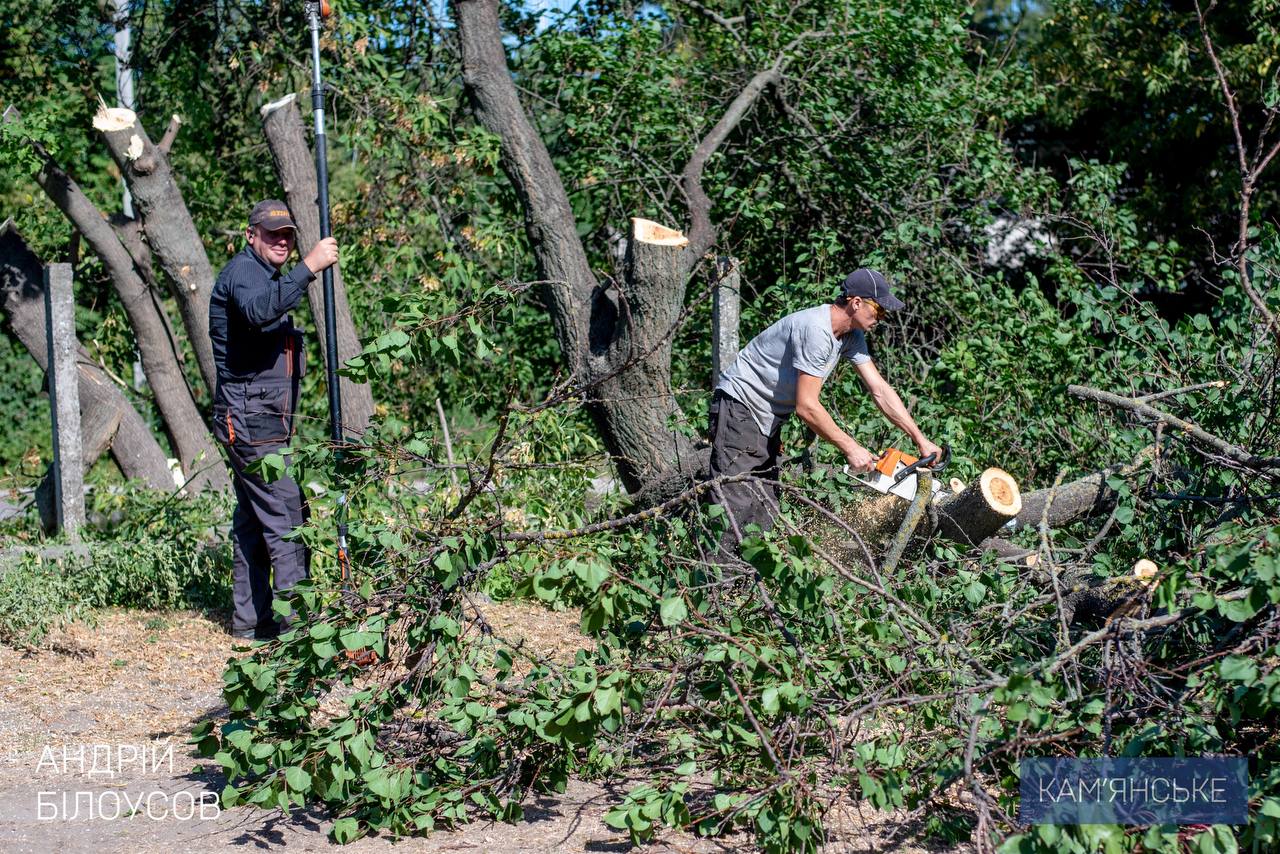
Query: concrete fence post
(724, 316)
(64, 399)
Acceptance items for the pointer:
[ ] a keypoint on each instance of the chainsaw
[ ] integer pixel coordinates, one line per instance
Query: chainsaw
(895, 472)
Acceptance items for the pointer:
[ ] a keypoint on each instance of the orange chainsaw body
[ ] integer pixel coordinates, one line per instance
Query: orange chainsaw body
(888, 462)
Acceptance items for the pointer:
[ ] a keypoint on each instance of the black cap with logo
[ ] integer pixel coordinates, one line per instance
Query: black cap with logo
(870, 284)
(271, 214)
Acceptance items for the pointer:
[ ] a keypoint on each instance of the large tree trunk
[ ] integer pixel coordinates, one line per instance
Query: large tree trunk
(296, 169)
(197, 453)
(168, 226)
(107, 420)
(629, 359)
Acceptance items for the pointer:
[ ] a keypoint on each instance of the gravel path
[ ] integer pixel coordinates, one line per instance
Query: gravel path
(137, 681)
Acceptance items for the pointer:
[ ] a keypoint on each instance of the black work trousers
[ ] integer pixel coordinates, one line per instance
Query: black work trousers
(265, 513)
(738, 447)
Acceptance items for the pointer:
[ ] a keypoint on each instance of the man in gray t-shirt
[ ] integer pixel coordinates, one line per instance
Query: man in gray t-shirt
(782, 371)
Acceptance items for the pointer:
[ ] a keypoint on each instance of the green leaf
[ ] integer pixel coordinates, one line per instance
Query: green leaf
(769, 700)
(592, 573)
(607, 700)
(1238, 668)
(673, 611)
(344, 830)
(297, 779)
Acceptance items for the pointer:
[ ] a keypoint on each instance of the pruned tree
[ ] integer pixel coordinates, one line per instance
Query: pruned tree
(192, 442)
(615, 336)
(170, 231)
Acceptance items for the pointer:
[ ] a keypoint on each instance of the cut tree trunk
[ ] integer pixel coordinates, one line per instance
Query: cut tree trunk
(197, 454)
(615, 342)
(629, 361)
(170, 231)
(107, 419)
(986, 505)
(981, 509)
(296, 169)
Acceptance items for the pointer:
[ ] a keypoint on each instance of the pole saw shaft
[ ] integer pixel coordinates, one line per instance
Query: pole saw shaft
(316, 10)
(322, 201)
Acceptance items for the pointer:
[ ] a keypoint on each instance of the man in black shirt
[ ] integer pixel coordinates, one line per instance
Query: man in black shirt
(259, 357)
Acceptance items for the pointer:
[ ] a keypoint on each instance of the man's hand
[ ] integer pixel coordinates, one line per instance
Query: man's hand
(322, 256)
(860, 459)
(927, 448)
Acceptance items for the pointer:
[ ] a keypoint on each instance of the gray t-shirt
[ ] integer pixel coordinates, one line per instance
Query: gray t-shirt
(764, 375)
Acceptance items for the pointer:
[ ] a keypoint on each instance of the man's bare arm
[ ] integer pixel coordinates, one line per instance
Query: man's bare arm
(888, 402)
(813, 413)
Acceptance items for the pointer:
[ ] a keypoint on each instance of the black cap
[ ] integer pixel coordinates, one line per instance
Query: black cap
(870, 284)
(271, 214)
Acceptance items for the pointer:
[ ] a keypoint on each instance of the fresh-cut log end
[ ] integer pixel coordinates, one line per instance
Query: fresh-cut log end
(648, 231)
(981, 508)
(113, 118)
(267, 109)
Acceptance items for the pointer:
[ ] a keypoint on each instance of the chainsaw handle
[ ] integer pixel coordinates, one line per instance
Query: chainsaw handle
(926, 463)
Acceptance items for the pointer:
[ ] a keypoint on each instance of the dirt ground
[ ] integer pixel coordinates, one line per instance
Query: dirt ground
(136, 682)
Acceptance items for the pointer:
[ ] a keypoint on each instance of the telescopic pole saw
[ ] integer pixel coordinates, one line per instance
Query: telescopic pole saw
(315, 11)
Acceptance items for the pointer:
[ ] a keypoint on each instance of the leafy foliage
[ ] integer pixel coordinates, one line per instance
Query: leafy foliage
(144, 551)
(746, 695)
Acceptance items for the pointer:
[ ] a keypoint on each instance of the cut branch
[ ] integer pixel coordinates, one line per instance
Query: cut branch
(170, 134)
(1204, 437)
(167, 223)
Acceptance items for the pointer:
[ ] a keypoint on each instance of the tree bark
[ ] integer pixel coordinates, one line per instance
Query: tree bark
(296, 169)
(129, 231)
(197, 453)
(108, 420)
(549, 223)
(1086, 496)
(629, 361)
(168, 226)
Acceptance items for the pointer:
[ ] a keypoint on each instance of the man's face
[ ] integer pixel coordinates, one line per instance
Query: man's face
(865, 313)
(272, 246)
